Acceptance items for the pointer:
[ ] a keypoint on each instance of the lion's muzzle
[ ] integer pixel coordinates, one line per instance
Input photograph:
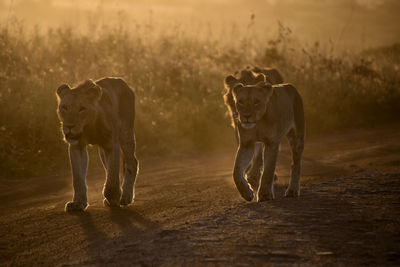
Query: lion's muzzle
(69, 134)
(72, 136)
(247, 125)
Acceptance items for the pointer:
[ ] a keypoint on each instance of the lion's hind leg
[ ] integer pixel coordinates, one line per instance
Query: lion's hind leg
(296, 142)
(130, 168)
(111, 190)
(254, 170)
(266, 190)
(104, 159)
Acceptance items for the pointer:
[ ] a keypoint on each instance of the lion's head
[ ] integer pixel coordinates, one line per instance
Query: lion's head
(251, 102)
(247, 77)
(77, 108)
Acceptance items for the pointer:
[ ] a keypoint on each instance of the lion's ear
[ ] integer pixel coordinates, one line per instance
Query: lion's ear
(63, 90)
(92, 90)
(257, 70)
(230, 81)
(267, 87)
(260, 78)
(95, 92)
(237, 88)
(247, 75)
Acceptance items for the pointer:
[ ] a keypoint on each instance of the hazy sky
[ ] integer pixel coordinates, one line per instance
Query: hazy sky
(353, 23)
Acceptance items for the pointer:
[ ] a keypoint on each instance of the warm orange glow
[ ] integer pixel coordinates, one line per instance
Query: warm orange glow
(329, 68)
(352, 24)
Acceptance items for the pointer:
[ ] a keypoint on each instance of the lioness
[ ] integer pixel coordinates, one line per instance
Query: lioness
(266, 113)
(250, 76)
(101, 113)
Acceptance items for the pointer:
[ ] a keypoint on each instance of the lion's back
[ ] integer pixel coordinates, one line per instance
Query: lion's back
(289, 105)
(117, 88)
(118, 97)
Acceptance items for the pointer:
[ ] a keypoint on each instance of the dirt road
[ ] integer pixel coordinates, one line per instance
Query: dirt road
(188, 212)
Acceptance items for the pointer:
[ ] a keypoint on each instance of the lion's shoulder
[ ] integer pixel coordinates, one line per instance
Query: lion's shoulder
(286, 107)
(117, 96)
(116, 86)
(286, 91)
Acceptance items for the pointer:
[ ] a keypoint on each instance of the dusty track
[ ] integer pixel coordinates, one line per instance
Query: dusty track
(187, 212)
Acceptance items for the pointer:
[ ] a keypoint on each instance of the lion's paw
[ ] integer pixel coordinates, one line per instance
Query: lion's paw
(75, 206)
(265, 196)
(254, 181)
(111, 204)
(292, 192)
(126, 199)
(247, 193)
(112, 196)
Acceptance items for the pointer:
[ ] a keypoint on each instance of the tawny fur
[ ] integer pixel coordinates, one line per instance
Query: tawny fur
(250, 76)
(266, 113)
(100, 113)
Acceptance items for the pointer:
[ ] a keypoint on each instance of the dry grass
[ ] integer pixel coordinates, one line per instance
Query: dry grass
(178, 82)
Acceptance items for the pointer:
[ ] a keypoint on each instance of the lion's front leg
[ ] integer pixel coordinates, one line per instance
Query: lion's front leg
(244, 155)
(266, 191)
(112, 190)
(79, 159)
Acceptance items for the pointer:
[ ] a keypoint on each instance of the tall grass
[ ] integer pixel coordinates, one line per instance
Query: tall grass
(178, 82)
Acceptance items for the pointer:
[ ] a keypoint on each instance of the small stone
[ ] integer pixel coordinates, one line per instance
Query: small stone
(324, 253)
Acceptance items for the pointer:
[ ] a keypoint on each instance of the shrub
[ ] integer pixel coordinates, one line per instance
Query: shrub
(178, 81)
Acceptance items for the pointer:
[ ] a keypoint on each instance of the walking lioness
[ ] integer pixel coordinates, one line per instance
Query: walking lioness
(266, 113)
(100, 113)
(250, 76)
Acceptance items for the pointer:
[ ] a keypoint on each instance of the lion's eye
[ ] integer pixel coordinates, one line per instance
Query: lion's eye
(64, 108)
(82, 109)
